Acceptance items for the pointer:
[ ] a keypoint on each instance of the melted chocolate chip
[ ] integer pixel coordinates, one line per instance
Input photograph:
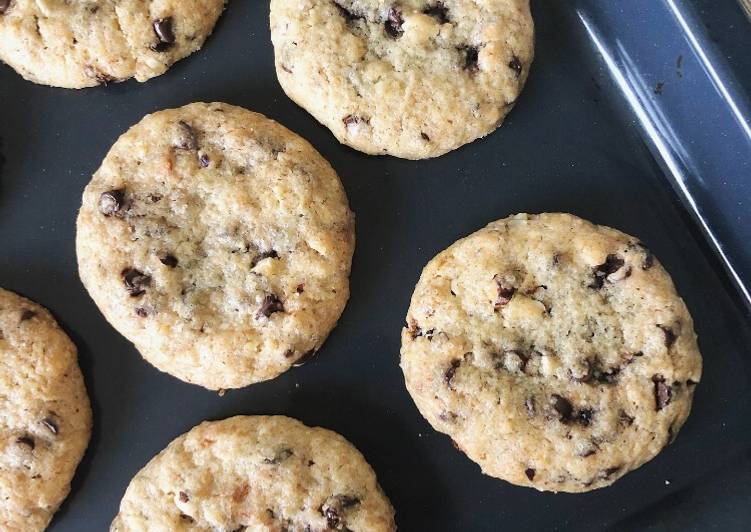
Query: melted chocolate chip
(516, 65)
(471, 58)
(530, 473)
(300, 288)
(27, 314)
(304, 358)
(183, 497)
(26, 440)
(4, 5)
(438, 11)
(394, 21)
(187, 140)
(270, 305)
(50, 425)
(505, 293)
(663, 392)
(111, 202)
(135, 281)
(451, 371)
(169, 260)
(165, 33)
(563, 407)
(279, 457)
(612, 264)
(670, 336)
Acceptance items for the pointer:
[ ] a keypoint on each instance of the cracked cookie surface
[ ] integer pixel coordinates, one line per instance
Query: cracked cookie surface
(84, 43)
(256, 473)
(409, 78)
(45, 417)
(555, 353)
(218, 242)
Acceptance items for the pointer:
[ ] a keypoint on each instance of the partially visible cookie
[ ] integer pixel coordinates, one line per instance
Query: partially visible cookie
(87, 43)
(256, 473)
(218, 242)
(556, 353)
(409, 78)
(45, 417)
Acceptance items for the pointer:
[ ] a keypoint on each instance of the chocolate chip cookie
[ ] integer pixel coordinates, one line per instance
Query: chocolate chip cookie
(256, 473)
(218, 242)
(94, 42)
(45, 417)
(409, 78)
(556, 353)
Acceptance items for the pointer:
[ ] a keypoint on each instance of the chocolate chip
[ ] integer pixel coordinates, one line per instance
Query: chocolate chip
(98, 75)
(183, 497)
(26, 440)
(649, 259)
(111, 202)
(4, 5)
(394, 21)
(300, 288)
(587, 453)
(505, 292)
(169, 260)
(203, 160)
(530, 473)
(163, 30)
(187, 518)
(563, 407)
(425, 136)
(663, 392)
(584, 416)
(349, 16)
(353, 120)
(27, 314)
(304, 358)
(187, 140)
(142, 312)
(471, 58)
(670, 336)
(612, 264)
(516, 66)
(269, 306)
(334, 507)
(50, 425)
(414, 330)
(624, 418)
(451, 371)
(689, 382)
(279, 457)
(448, 417)
(270, 254)
(557, 259)
(530, 404)
(605, 473)
(135, 281)
(438, 11)
(155, 198)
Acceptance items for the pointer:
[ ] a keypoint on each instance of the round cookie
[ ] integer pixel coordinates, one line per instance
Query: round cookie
(409, 78)
(87, 43)
(218, 242)
(556, 353)
(256, 473)
(45, 417)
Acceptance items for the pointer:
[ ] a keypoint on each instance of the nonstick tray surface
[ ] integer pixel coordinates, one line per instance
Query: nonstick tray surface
(578, 141)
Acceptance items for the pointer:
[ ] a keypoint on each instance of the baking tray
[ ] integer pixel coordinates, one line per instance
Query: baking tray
(611, 127)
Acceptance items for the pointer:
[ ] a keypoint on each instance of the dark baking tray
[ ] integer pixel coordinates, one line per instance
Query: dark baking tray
(576, 142)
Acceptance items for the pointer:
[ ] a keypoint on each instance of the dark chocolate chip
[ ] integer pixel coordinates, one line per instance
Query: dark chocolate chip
(605, 473)
(394, 21)
(26, 440)
(505, 293)
(50, 425)
(269, 306)
(155, 198)
(334, 508)
(438, 11)
(169, 260)
(270, 254)
(530, 473)
(425, 136)
(353, 120)
(624, 418)
(516, 65)
(589, 452)
(612, 264)
(135, 281)
(349, 16)
(279, 457)
(689, 382)
(142, 312)
(187, 140)
(187, 518)
(111, 202)
(27, 314)
(304, 358)
(563, 407)
(670, 336)
(649, 259)
(663, 392)
(183, 497)
(4, 5)
(203, 160)
(98, 75)
(471, 58)
(584, 416)
(165, 33)
(300, 288)
(451, 371)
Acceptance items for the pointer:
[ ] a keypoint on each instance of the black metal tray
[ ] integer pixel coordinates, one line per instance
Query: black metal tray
(579, 141)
